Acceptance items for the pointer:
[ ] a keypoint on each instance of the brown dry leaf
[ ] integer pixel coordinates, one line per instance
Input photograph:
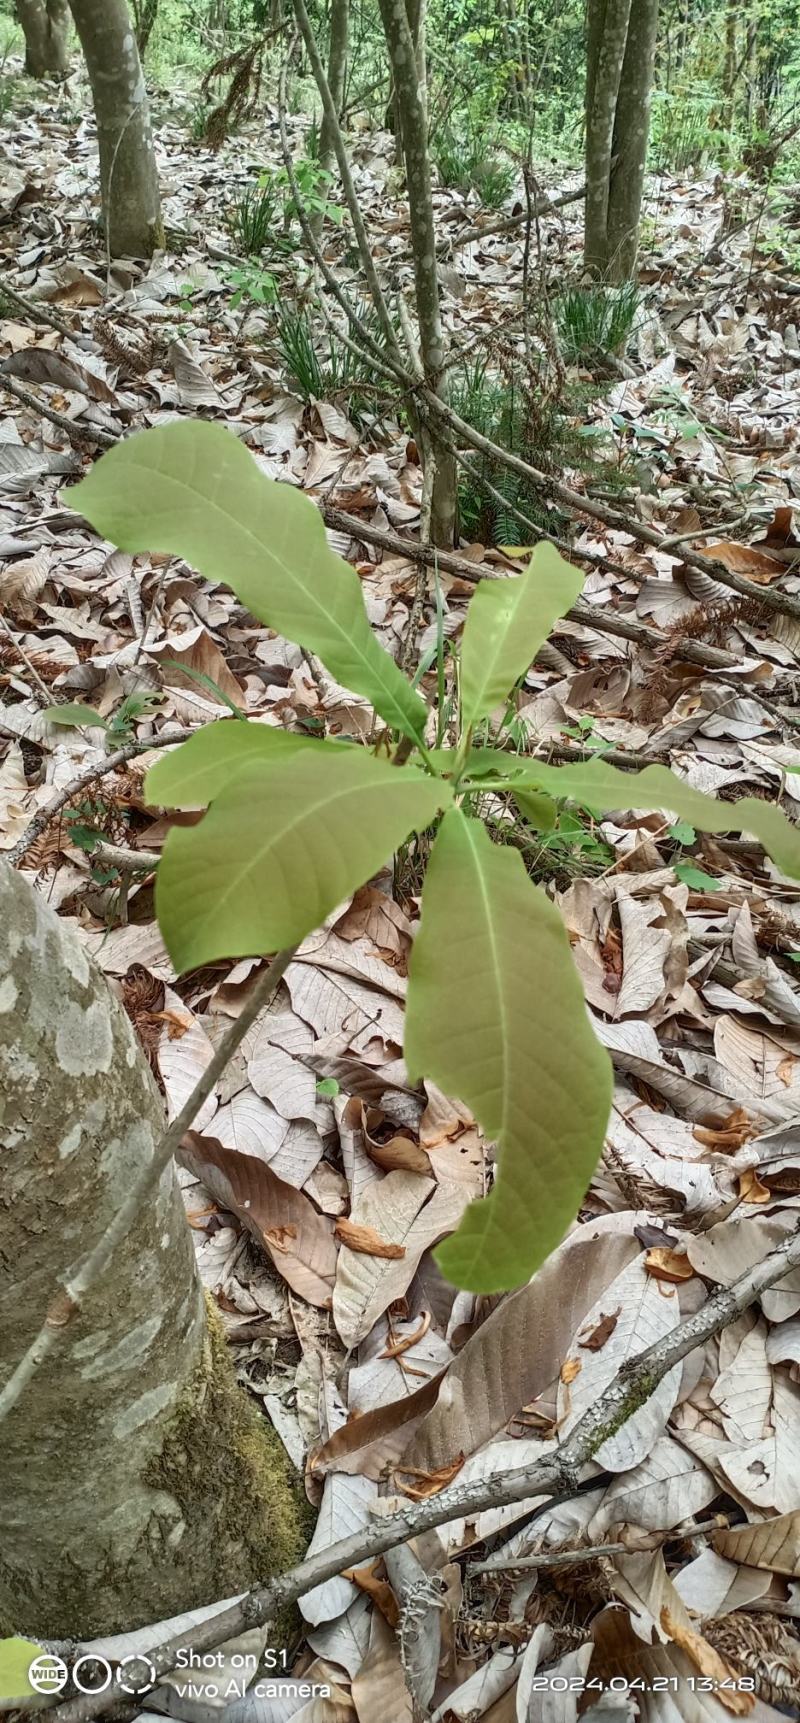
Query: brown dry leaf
(40, 365)
(403, 1209)
(751, 1189)
(379, 1689)
(195, 386)
(378, 1589)
(746, 560)
(518, 1352)
(708, 1662)
(22, 582)
(366, 1240)
(773, 1544)
(420, 1486)
(368, 1443)
(299, 1240)
(668, 1264)
(400, 1153)
(596, 1340)
(569, 1370)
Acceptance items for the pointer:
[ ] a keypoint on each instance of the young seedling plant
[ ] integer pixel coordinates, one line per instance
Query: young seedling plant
(294, 825)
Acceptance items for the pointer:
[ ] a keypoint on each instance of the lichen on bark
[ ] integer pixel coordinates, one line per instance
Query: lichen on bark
(138, 1481)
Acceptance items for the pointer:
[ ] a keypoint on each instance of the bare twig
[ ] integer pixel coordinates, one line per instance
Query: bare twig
(75, 430)
(41, 686)
(508, 223)
(88, 776)
(590, 1552)
(71, 1291)
(557, 1477)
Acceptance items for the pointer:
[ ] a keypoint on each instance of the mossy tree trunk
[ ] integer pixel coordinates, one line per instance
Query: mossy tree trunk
(620, 56)
(128, 176)
(45, 26)
(407, 61)
(138, 1479)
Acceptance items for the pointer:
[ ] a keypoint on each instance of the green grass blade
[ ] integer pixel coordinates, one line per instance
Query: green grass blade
(496, 1016)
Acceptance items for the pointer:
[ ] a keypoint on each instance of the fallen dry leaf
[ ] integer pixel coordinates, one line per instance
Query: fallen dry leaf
(366, 1240)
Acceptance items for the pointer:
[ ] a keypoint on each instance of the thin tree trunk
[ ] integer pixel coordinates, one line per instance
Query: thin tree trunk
(138, 1480)
(630, 140)
(730, 66)
(405, 57)
(128, 177)
(145, 13)
(45, 25)
(606, 38)
(337, 75)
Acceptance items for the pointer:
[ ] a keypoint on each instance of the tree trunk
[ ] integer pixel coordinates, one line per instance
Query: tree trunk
(629, 145)
(337, 73)
(128, 177)
(405, 58)
(45, 25)
(138, 1479)
(730, 67)
(607, 31)
(145, 13)
(337, 76)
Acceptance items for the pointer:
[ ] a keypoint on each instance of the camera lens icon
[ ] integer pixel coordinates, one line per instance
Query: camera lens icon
(48, 1674)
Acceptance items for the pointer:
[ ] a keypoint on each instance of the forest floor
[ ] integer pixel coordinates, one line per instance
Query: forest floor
(378, 1378)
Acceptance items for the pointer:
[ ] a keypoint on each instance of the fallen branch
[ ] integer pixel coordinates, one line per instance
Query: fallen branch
(627, 627)
(77, 432)
(557, 1477)
(508, 223)
(89, 775)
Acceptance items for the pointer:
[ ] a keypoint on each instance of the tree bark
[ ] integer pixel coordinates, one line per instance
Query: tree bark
(607, 31)
(139, 1480)
(128, 177)
(730, 67)
(406, 57)
(630, 140)
(45, 25)
(337, 73)
(144, 13)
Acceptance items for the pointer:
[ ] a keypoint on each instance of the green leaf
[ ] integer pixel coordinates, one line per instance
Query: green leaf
(72, 713)
(538, 810)
(496, 1017)
(327, 1086)
(191, 775)
(282, 844)
(507, 622)
(682, 832)
(695, 877)
(193, 490)
(602, 788)
(16, 1657)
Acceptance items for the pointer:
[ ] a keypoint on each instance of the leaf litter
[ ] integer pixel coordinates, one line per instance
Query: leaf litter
(318, 1178)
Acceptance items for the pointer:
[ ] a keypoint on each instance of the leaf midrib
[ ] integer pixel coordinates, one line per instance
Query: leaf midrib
(326, 615)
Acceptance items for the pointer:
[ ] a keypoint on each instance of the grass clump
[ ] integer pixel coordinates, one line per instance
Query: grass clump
(465, 165)
(253, 217)
(594, 323)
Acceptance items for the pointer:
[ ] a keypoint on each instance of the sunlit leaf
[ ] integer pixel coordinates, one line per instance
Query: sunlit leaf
(496, 1018)
(603, 788)
(282, 844)
(16, 1657)
(74, 714)
(507, 622)
(193, 490)
(190, 776)
(695, 878)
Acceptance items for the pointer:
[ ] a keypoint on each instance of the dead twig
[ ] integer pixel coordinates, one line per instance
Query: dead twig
(41, 821)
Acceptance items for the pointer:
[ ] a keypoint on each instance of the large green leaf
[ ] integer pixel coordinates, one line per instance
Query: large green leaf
(191, 775)
(496, 1016)
(507, 622)
(194, 490)
(602, 788)
(16, 1657)
(286, 841)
